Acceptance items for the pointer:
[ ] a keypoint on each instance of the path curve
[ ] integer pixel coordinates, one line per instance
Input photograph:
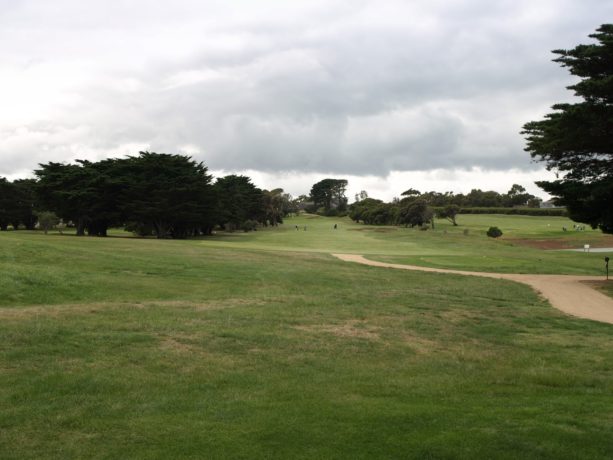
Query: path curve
(568, 293)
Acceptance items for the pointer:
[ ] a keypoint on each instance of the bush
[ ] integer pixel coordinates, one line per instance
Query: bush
(47, 221)
(494, 232)
(139, 229)
(329, 213)
(249, 225)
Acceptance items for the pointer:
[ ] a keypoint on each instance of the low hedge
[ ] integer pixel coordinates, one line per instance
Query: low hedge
(516, 211)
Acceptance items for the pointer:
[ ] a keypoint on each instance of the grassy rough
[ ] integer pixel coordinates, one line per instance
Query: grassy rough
(228, 348)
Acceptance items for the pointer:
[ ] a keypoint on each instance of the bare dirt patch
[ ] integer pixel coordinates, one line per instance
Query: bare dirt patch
(604, 241)
(350, 329)
(179, 344)
(421, 345)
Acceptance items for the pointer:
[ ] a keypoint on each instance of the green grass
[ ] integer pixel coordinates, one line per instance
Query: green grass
(263, 346)
(445, 247)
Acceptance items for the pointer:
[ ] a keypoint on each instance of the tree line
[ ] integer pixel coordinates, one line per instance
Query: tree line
(419, 209)
(165, 195)
(172, 196)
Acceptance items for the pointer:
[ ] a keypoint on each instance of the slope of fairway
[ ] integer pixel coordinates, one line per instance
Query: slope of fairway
(444, 247)
(132, 348)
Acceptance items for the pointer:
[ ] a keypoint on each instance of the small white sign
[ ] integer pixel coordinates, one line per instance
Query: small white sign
(586, 248)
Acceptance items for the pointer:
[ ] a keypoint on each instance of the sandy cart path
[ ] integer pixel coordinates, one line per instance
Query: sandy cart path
(568, 293)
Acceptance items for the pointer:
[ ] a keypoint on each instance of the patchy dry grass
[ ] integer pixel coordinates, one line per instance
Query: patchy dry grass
(605, 286)
(127, 348)
(350, 329)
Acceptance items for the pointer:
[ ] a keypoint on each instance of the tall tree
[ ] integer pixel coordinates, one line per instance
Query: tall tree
(416, 212)
(276, 205)
(7, 196)
(67, 190)
(516, 196)
(171, 193)
(25, 203)
(449, 212)
(238, 201)
(330, 194)
(576, 139)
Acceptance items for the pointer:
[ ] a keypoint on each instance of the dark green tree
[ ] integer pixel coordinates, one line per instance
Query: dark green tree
(66, 190)
(411, 193)
(449, 212)
(84, 193)
(7, 201)
(575, 140)
(238, 201)
(25, 203)
(170, 193)
(479, 198)
(516, 196)
(330, 194)
(359, 211)
(381, 214)
(415, 213)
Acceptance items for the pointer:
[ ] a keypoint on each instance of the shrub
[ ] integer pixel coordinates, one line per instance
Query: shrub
(249, 225)
(329, 213)
(494, 232)
(139, 228)
(47, 221)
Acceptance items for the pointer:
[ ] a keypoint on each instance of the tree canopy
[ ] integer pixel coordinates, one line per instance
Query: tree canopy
(238, 201)
(166, 195)
(330, 194)
(169, 194)
(575, 140)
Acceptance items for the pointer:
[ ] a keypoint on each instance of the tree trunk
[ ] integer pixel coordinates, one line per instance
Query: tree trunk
(80, 227)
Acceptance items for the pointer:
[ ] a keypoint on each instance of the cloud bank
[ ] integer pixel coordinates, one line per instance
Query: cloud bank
(361, 88)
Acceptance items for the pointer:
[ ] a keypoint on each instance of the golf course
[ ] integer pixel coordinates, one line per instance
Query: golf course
(265, 345)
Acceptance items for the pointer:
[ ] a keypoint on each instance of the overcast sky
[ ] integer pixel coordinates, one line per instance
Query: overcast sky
(388, 94)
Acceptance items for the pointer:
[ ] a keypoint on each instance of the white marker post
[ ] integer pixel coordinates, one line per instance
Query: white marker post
(586, 248)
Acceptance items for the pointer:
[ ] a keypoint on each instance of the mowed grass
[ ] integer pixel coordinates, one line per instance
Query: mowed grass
(446, 246)
(228, 348)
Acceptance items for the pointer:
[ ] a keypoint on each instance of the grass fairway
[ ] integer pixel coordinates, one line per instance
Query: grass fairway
(446, 247)
(263, 346)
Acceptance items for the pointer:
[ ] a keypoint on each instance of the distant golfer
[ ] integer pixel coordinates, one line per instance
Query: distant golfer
(305, 228)
(334, 226)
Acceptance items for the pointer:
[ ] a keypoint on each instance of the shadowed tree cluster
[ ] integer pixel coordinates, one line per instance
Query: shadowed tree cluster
(161, 194)
(17, 203)
(169, 196)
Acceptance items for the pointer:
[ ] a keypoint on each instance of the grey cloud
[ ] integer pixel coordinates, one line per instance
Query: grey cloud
(353, 88)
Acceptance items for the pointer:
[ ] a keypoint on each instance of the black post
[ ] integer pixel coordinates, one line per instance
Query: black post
(606, 264)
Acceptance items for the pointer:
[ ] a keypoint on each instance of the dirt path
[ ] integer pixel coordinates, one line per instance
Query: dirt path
(567, 293)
